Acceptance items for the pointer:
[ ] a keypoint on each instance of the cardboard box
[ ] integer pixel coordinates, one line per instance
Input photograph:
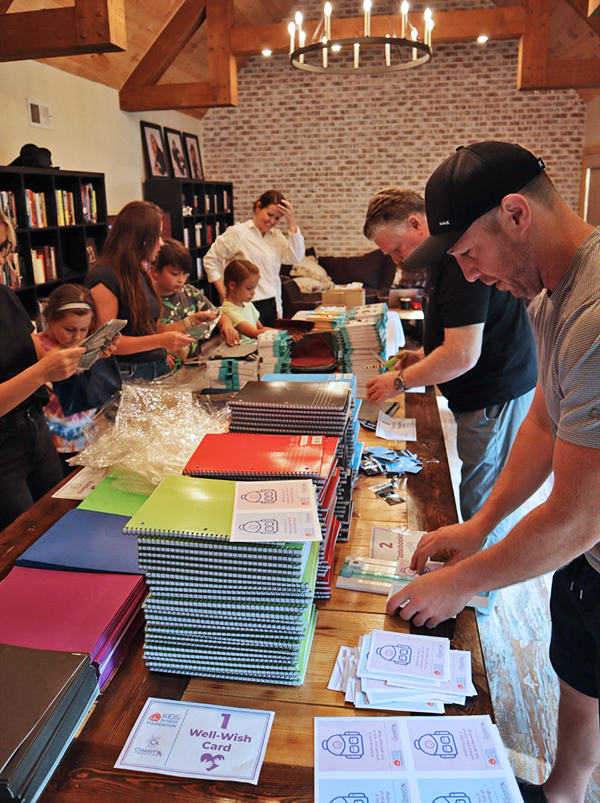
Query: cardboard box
(341, 295)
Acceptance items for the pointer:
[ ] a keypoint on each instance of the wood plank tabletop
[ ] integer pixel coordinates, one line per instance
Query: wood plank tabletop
(86, 773)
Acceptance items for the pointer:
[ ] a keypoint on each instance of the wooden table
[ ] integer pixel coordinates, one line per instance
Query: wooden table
(86, 773)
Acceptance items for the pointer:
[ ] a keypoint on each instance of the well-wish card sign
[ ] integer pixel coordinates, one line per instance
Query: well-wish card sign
(197, 740)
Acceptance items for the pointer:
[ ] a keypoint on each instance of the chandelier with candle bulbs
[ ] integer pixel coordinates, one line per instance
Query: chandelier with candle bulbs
(360, 54)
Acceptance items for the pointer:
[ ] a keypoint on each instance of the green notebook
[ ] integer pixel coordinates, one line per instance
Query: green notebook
(192, 506)
(107, 497)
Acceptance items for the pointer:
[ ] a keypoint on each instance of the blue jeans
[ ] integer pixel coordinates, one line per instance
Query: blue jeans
(130, 371)
(484, 439)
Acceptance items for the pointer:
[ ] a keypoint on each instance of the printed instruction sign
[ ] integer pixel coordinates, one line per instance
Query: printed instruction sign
(396, 429)
(281, 510)
(197, 740)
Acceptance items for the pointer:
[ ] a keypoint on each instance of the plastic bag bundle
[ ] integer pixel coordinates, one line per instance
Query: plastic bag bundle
(154, 432)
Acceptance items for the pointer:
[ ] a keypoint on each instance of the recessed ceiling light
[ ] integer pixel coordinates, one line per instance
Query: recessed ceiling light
(482, 39)
(266, 52)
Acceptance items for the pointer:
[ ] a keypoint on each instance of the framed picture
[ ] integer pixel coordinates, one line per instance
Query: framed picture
(176, 153)
(192, 148)
(154, 151)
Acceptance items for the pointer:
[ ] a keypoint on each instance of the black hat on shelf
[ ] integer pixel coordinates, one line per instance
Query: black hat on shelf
(32, 156)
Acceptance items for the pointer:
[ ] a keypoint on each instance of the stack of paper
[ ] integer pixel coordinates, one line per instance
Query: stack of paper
(45, 697)
(363, 336)
(350, 452)
(86, 612)
(219, 607)
(324, 317)
(274, 351)
(391, 671)
(417, 759)
(242, 456)
(230, 374)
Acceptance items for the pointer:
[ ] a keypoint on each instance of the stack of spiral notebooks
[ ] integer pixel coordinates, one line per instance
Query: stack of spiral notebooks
(349, 450)
(217, 608)
(242, 456)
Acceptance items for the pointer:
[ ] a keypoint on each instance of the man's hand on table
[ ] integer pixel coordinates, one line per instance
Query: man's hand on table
(454, 543)
(431, 598)
(381, 387)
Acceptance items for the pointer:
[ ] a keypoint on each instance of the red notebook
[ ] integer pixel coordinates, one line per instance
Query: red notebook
(241, 454)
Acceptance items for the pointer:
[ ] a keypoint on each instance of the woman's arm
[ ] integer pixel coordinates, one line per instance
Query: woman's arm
(107, 307)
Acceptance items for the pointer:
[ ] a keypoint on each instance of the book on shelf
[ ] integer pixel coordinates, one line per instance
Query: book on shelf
(198, 232)
(43, 258)
(209, 233)
(186, 237)
(8, 206)
(225, 201)
(12, 272)
(199, 267)
(35, 204)
(89, 203)
(65, 208)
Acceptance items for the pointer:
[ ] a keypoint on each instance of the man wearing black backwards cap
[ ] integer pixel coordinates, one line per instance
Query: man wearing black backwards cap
(494, 209)
(478, 348)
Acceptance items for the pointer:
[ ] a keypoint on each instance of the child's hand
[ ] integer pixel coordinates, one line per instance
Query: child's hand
(230, 335)
(296, 334)
(202, 316)
(173, 341)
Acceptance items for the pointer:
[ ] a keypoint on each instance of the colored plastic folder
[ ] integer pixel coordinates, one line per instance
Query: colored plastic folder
(72, 611)
(107, 497)
(84, 540)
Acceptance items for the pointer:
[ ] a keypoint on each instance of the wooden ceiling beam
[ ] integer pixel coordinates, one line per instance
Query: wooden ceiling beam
(533, 47)
(506, 22)
(582, 8)
(142, 92)
(573, 74)
(90, 26)
(170, 42)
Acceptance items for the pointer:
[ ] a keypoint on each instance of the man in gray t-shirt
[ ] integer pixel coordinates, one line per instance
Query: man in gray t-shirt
(493, 208)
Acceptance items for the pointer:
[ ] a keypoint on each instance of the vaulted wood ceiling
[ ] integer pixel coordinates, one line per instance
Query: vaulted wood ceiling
(163, 59)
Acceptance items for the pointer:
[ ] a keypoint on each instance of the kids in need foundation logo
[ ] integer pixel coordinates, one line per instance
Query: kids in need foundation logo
(164, 720)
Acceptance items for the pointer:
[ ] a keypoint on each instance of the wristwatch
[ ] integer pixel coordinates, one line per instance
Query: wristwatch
(399, 383)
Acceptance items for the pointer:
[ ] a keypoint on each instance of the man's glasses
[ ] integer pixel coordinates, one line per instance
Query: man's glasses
(6, 248)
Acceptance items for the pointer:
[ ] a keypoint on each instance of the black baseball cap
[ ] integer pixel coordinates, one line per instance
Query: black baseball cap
(471, 182)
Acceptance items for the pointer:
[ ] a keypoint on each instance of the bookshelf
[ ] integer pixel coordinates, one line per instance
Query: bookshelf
(57, 214)
(199, 210)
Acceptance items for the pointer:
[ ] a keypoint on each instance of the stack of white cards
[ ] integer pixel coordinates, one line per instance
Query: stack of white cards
(411, 760)
(363, 336)
(391, 671)
(274, 351)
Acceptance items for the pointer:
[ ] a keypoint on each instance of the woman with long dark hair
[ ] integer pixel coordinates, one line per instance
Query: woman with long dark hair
(260, 242)
(121, 288)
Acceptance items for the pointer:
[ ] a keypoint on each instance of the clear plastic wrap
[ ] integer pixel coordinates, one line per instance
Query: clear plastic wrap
(155, 431)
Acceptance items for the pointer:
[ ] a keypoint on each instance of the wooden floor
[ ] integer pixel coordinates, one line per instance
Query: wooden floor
(515, 640)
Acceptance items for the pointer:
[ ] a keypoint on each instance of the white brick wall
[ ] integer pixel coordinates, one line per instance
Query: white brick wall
(330, 142)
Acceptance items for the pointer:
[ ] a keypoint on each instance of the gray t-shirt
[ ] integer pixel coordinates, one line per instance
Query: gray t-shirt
(567, 329)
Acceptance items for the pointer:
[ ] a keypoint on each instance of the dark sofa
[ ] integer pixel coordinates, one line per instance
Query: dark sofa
(375, 270)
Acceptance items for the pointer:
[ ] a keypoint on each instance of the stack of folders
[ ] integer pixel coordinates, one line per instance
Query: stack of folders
(217, 608)
(274, 351)
(363, 336)
(350, 452)
(89, 612)
(45, 697)
(240, 456)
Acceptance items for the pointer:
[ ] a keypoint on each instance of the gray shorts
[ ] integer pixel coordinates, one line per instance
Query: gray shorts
(575, 611)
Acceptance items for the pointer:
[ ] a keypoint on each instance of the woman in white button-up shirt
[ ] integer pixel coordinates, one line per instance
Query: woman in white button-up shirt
(260, 242)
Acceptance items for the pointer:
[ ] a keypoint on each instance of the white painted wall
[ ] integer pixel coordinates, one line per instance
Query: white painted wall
(89, 131)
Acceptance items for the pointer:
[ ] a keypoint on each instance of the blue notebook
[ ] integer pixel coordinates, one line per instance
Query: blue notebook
(85, 540)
